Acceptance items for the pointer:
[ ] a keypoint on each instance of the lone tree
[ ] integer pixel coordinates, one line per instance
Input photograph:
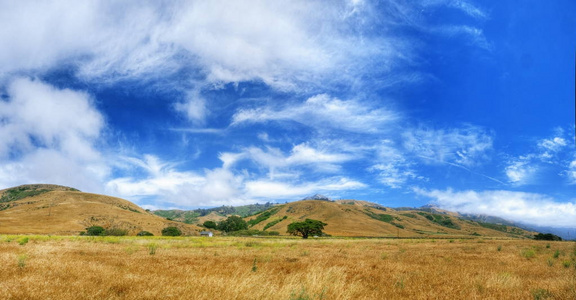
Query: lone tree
(306, 228)
(233, 223)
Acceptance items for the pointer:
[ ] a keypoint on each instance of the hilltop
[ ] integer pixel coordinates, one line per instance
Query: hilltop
(54, 209)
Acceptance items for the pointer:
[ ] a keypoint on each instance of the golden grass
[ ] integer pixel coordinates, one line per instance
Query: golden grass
(69, 213)
(283, 268)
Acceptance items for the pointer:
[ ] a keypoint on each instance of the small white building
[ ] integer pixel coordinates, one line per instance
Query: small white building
(206, 233)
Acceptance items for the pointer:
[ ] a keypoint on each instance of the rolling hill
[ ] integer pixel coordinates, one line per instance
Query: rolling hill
(362, 218)
(53, 209)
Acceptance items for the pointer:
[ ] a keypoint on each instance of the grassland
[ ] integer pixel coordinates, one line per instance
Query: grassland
(44, 267)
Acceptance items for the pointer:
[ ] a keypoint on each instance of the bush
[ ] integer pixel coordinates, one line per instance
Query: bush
(115, 232)
(95, 230)
(263, 216)
(274, 222)
(171, 231)
(528, 253)
(144, 233)
(547, 237)
(23, 241)
(210, 224)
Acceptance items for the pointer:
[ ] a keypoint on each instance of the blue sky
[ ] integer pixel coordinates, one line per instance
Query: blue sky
(182, 104)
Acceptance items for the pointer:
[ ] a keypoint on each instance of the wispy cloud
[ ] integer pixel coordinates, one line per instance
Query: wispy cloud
(547, 153)
(322, 111)
(527, 208)
(571, 172)
(466, 146)
(393, 167)
(301, 156)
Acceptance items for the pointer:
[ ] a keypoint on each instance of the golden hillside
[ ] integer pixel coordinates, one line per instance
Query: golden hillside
(362, 218)
(52, 209)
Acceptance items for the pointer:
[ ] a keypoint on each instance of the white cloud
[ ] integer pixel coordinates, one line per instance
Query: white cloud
(49, 135)
(287, 45)
(520, 171)
(549, 148)
(472, 34)
(465, 6)
(163, 180)
(547, 153)
(571, 172)
(219, 186)
(194, 108)
(266, 189)
(467, 146)
(528, 208)
(323, 111)
(468, 8)
(37, 114)
(393, 168)
(318, 159)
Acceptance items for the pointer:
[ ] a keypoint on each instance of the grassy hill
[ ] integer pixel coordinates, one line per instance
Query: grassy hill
(361, 218)
(53, 209)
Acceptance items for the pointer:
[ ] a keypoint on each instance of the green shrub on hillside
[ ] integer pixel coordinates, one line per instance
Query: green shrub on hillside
(274, 222)
(498, 227)
(95, 231)
(262, 217)
(171, 231)
(442, 220)
(115, 232)
(210, 224)
(409, 215)
(20, 193)
(547, 237)
(144, 233)
(380, 217)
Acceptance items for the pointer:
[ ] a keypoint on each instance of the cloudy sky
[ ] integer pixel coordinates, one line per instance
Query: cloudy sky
(183, 104)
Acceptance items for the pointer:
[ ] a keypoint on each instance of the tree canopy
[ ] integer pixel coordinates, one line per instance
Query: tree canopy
(210, 224)
(171, 231)
(547, 237)
(232, 223)
(306, 228)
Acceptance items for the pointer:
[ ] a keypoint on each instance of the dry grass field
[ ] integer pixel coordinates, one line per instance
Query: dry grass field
(43, 267)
